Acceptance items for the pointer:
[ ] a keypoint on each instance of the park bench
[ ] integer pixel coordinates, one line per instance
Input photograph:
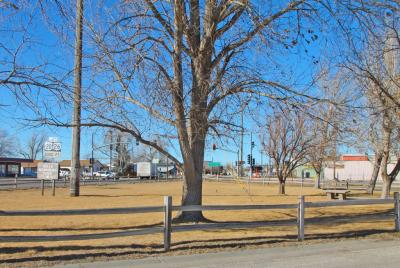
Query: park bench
(336, 185)
(334, 193)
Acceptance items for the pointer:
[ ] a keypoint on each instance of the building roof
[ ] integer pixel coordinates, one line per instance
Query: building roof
(353, 157)
(31, 164)
(15, 160)
(83, 163)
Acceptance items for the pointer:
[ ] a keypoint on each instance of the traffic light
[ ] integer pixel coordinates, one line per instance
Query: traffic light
(254, 162)
(252, 144)
(248, 159)
(214, 147)
(137, 142)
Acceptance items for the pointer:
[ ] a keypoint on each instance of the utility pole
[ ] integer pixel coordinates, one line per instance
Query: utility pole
(241, 145)
(76, 128)
(251, 154)
(111, 147)
(92, 159)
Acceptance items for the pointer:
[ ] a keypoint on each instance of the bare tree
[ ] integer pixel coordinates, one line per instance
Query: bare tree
(7, 144)
(377, 70)
(189, 60)
(287, 143)
(18, 75)
(182, 68)
(325, 125)
(34, 146)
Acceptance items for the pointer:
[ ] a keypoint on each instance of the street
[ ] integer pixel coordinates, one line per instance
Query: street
(353, 253)
(27, 183)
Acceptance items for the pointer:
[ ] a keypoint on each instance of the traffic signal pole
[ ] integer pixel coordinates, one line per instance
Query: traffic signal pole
(241, 145)
(251, 155)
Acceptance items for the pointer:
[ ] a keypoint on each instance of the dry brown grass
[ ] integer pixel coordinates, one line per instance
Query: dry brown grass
(125, 195)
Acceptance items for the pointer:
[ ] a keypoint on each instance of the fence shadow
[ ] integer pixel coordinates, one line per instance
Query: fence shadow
(137, 250)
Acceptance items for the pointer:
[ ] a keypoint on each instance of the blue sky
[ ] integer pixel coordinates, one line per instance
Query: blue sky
(297, 61)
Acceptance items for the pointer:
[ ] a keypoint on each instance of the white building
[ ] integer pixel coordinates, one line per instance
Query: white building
(354, 167)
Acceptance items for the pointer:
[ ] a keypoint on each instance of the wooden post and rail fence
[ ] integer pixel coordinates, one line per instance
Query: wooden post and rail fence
(168, 227)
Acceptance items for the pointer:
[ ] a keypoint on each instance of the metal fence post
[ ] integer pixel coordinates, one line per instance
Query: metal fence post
(167, 222)
(42, 186)
(15, 180)
(396, 212)
(300, 219)
(53, 186)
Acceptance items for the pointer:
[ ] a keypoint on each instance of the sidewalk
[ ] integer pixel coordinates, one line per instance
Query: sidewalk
(354, 253)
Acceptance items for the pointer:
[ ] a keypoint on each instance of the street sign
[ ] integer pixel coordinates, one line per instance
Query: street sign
(52, 148)
(52, 154)
(47, 171)
(214, 164)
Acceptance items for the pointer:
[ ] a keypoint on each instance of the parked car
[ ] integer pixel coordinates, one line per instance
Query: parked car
(64, 172)
(106, 175)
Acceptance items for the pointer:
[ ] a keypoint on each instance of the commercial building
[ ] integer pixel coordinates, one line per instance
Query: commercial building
(85, 165)
(9, 167)
(353, 167)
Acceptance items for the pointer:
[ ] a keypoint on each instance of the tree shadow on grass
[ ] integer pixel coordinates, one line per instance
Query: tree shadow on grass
(137, 250)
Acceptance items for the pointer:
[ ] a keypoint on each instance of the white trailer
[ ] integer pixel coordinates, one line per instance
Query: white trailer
(146, 170)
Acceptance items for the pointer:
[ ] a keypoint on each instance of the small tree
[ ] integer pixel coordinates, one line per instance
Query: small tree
(6, 144)
(286, 143)
(377, 71)
(34, 146)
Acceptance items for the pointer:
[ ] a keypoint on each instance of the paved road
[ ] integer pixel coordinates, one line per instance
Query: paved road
(352, 253)
(27, 183)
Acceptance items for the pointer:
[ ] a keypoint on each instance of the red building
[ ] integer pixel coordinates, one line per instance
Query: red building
(349, 157)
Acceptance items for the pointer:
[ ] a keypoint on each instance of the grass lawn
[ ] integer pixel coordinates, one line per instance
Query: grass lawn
(151, 194)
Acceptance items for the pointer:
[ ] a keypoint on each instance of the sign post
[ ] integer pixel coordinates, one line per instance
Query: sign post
(52, 148)
(50, 169)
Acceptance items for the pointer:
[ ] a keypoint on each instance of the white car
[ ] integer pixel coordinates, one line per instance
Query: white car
(64, 172)
(106, 175)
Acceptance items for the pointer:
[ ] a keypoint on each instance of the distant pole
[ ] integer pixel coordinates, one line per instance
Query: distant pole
(167, 167)
(396, 212)
(167, 222)
(92, 160)
(76, 128)
(53, 186)
(238, 164)
(42, 186)
(251, 155)
(241, 144)
(300, 218)
(110, 137)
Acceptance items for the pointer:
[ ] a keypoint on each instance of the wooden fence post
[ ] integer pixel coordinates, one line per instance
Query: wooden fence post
(300, 219)
(53, 186)
(396, 212)
(167, 222)
(42, 186)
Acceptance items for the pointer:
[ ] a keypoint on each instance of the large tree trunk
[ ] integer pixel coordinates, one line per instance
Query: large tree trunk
(375, 172)
(282, 186)
(193, 181)
(317, 184)
(387, 184)
(388, 179)
(192, 195)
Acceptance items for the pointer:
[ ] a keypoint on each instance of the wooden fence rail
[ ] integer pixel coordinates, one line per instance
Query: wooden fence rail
(168, 228)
